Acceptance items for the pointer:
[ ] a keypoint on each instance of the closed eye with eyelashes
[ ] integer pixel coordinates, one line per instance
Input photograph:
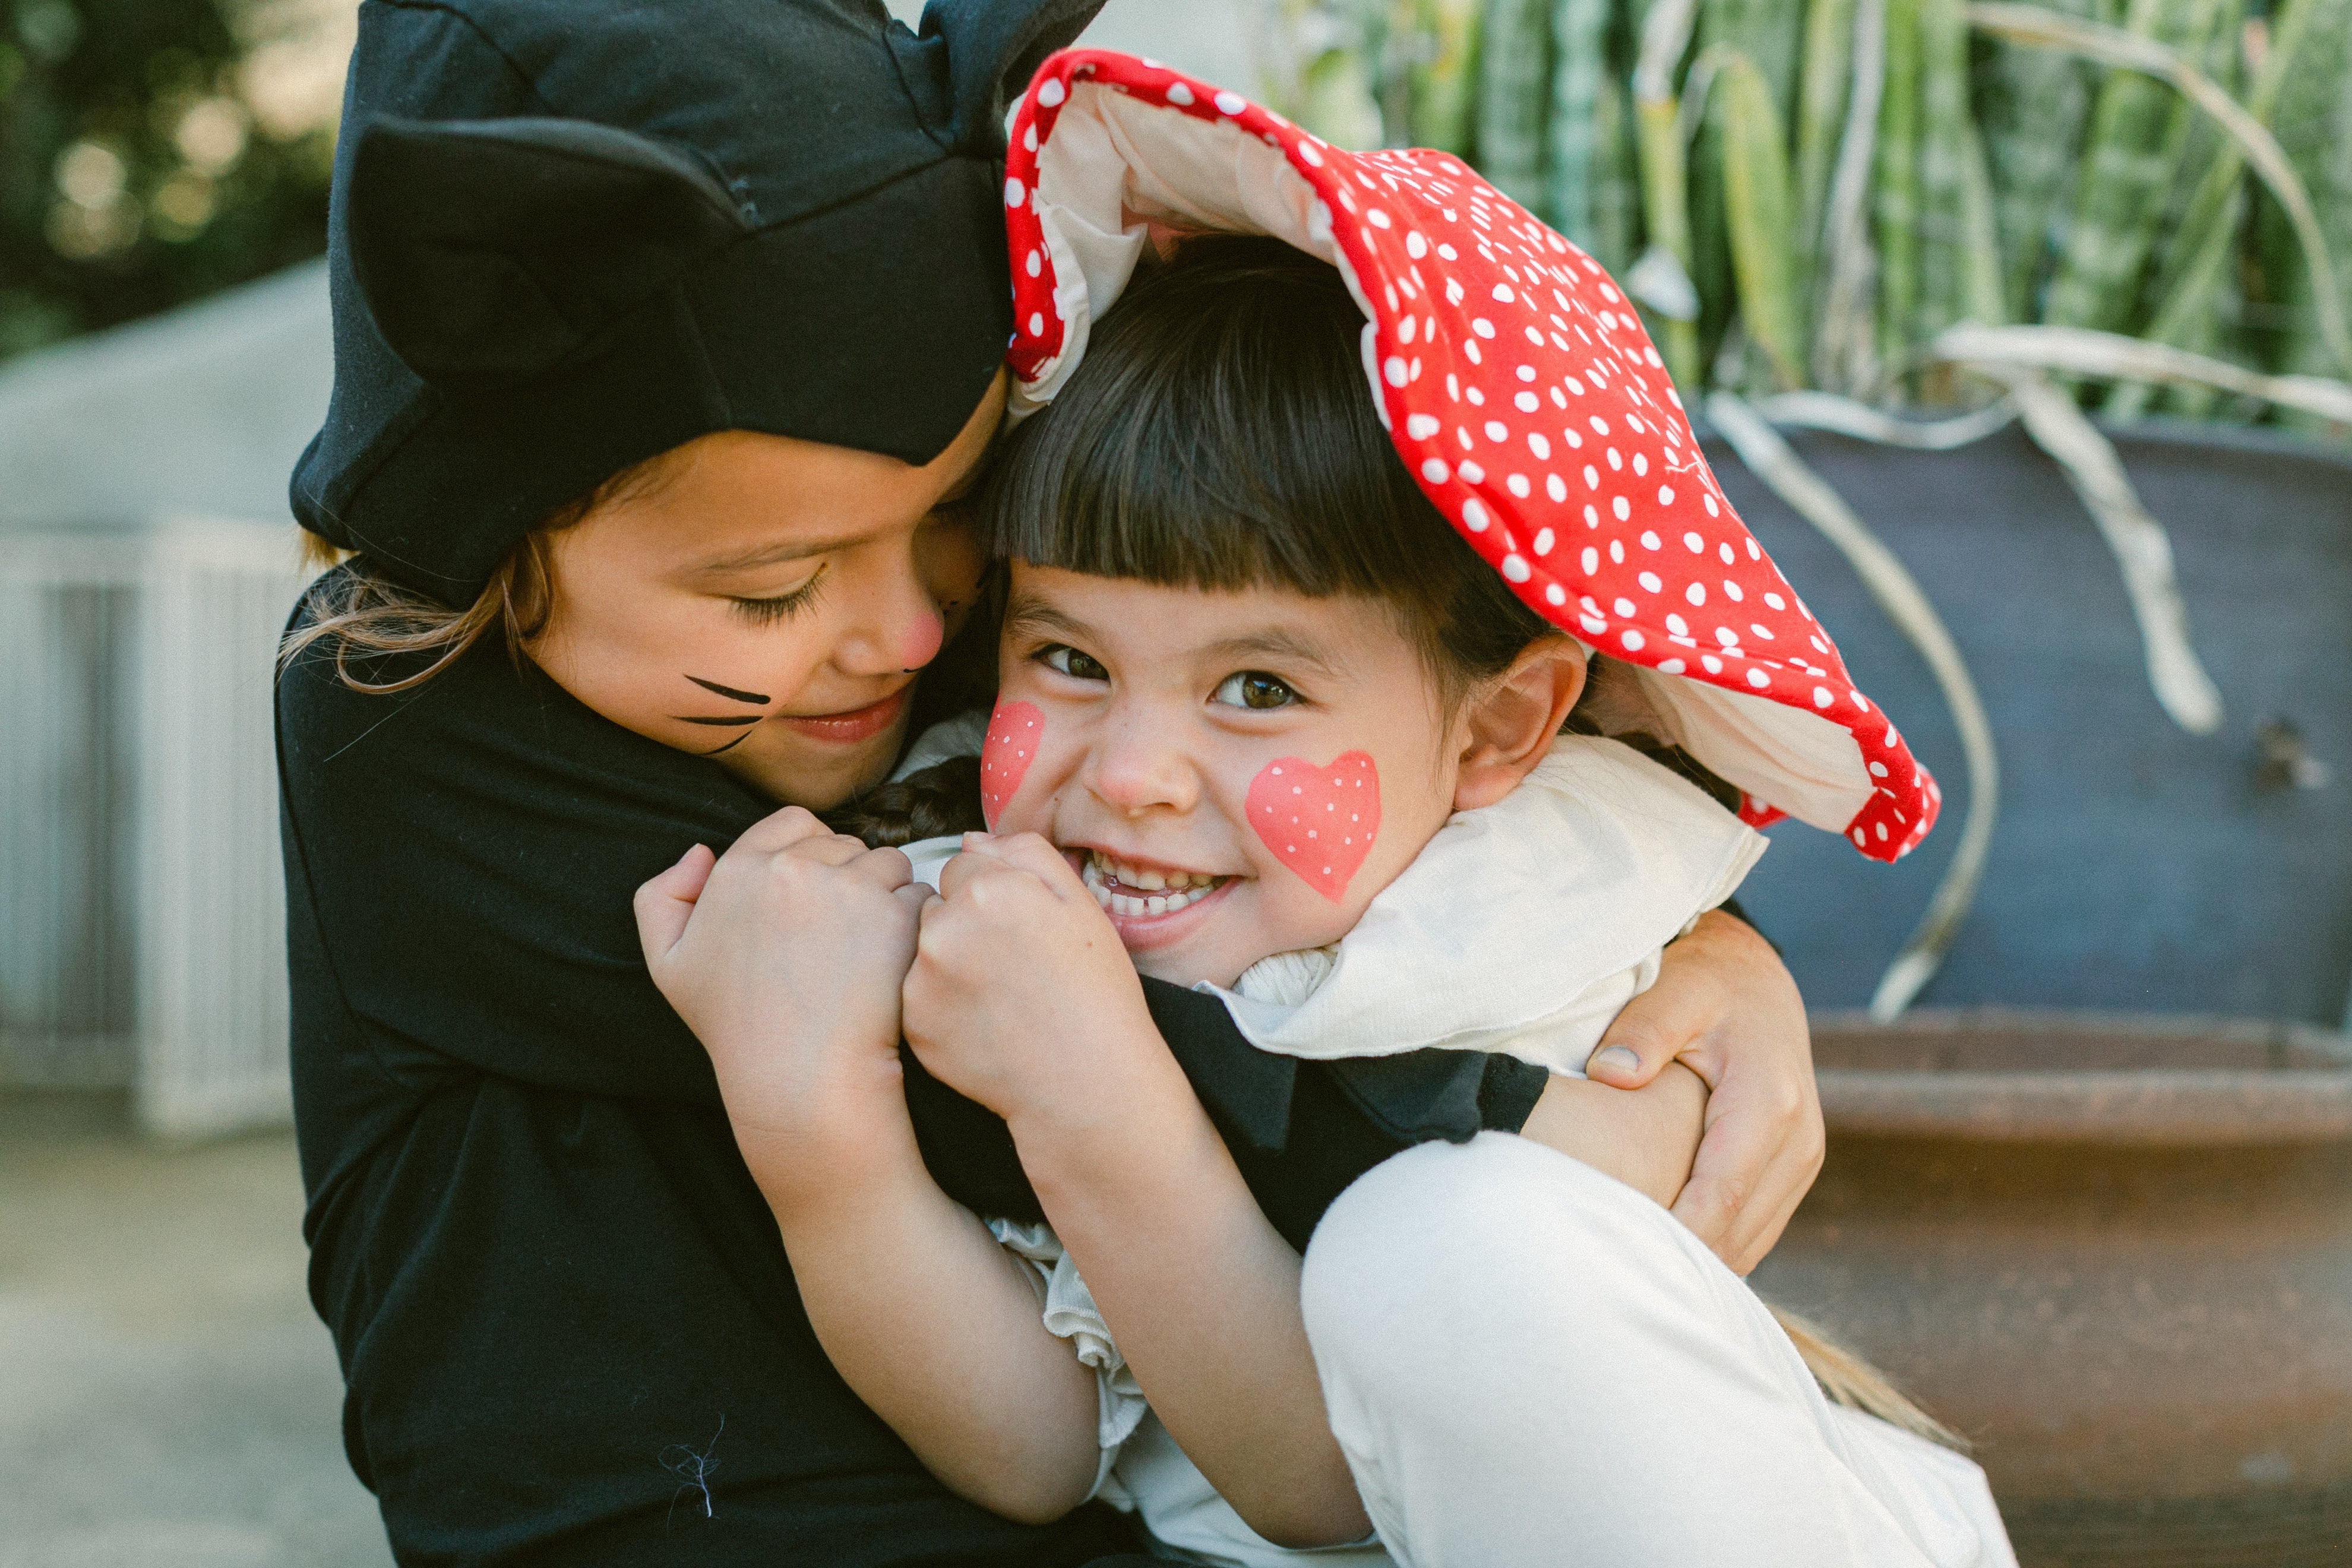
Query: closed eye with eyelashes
(780, 606)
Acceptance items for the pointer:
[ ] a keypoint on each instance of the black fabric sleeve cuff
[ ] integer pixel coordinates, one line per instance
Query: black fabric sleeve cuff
(1508, 1093)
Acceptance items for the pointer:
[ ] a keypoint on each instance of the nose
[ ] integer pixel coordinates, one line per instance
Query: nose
(1135, 766)
(892, 625)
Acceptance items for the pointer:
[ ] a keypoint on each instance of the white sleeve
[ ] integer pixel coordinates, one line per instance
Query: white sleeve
(1070, 1313)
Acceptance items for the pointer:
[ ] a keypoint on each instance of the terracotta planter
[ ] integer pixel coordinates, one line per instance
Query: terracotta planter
(2118, 1253)
(2112, 1240)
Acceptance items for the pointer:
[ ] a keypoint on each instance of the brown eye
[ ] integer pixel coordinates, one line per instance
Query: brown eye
(1069, 661)
(1254, 689)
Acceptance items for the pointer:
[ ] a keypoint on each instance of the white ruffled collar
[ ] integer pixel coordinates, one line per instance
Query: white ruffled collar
(1516, 917)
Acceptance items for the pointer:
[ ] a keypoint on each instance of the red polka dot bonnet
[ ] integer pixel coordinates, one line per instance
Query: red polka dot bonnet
(1521, 392)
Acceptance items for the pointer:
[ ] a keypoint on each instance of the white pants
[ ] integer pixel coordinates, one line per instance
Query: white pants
(1527, 1363)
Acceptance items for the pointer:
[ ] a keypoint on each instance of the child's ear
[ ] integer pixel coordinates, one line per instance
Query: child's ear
(1510, 725)
(490, 251)
(993, 47)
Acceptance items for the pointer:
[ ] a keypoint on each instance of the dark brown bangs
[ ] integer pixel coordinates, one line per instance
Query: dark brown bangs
(1220, 434)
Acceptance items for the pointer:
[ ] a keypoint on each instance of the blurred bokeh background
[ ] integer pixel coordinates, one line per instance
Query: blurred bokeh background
(2018, 332)
(153, 152)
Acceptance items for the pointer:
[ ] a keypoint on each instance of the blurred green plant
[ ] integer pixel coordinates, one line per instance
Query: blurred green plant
(1810, 194)
(152, 151)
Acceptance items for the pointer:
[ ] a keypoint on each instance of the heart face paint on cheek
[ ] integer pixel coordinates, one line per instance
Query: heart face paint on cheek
(1319, 822)
(1014, 730)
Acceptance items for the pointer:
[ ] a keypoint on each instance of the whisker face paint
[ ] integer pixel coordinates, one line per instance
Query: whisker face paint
(730, 745)
(730, 694)
(1319, 822)
(1013, 731)
(727, 722)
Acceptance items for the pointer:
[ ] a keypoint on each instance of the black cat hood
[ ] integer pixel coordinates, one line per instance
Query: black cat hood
(569, 235)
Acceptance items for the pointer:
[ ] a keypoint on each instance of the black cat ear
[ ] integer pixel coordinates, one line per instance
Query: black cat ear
(490, 251)
(994, 46)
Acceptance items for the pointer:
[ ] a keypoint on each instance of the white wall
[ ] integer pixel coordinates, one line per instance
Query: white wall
(201, 411)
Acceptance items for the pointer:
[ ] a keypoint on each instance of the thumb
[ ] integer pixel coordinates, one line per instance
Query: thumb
(1638, 1045)
(665, 902)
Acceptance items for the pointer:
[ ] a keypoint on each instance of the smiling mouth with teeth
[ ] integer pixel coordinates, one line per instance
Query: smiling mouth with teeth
(1133, 891)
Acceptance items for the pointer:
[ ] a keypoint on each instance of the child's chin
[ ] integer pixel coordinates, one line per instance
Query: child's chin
(1191, 963)
(1177, 969)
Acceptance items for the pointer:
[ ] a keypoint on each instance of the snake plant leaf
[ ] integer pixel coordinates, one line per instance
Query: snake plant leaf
(1945, 148)
(1830, 411)
(1617, 184)
(1896, 187)
(2316, 119)
(1580, 133)
(1514, 91)
(2031, 105)
(1846, 348)
(2140, 132)
(1768, 33)
(1765, 33)
(1822, 79)
(1897, 593)
(2205, 238)
(1981, 264)
(1665, 198)
(2116, 48)
(2111, 356)
(1759, 215)
(1698, 91)
(2141, 547)
(1443, 42)
(1336, 101)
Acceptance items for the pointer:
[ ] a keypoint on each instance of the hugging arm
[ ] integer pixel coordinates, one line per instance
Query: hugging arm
(1725, 1007)
(1647, 1138)
(786, 957)
(1021, 998)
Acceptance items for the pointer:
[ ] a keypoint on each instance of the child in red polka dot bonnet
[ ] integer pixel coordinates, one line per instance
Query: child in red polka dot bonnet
(1378, 658)
(671, 347)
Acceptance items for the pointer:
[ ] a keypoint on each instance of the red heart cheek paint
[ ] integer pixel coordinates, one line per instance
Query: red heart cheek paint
(1013, 731)
(1319, 822)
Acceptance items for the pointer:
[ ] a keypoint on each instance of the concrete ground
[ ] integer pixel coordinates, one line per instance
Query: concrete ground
(167, 1398)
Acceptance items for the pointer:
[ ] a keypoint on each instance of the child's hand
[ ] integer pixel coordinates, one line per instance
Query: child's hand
(1645, 1137)
(1725, 1006)
(1021, 997)
(785, 956)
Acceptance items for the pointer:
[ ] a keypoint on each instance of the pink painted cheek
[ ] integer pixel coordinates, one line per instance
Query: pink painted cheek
(1013, 731)
(1319, 822)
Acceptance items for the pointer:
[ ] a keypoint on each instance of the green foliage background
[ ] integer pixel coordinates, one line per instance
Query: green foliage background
(2005, 182)
(144, 160)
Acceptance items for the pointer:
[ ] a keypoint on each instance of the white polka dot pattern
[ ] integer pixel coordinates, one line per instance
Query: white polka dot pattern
(1005, 755)
(1527, 400)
